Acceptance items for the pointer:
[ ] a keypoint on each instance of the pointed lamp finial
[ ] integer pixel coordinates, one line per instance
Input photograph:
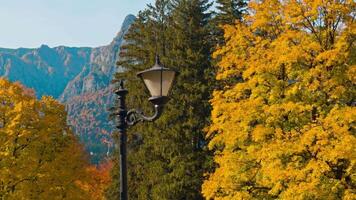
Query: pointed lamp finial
(121, 84)
(158, 61)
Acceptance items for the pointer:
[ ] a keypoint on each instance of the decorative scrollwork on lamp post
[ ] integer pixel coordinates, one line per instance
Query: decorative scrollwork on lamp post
(158, 81)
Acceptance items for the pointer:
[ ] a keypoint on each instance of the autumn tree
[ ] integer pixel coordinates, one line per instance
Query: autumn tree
(226, 12)
(286, 130)
(99, 180)
(39, 156)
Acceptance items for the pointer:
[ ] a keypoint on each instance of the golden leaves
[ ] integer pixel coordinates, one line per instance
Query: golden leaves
(286, 130)
(36, 159)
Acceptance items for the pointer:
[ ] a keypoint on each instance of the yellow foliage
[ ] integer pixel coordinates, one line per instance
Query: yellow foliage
(286, 128)
(39, 156)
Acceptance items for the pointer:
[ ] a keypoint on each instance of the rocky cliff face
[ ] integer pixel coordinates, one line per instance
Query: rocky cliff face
(44, 69)
(101, 67)
(78, 77)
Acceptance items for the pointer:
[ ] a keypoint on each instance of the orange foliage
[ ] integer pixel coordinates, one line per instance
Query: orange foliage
(99, 180)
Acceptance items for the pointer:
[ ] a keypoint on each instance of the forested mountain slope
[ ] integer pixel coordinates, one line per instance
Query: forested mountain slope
(78, 77)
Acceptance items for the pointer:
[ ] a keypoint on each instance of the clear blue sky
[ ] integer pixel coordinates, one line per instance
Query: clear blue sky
(30, 23)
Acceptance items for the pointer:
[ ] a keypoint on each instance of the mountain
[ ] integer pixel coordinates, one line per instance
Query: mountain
(78, 77)
(47, 70)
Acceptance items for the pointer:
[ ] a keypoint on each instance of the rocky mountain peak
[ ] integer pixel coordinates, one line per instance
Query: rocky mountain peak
(78, 77)
(44, 47)
(129, 19)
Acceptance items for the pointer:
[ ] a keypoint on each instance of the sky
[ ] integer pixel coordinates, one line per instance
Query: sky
(74, 23)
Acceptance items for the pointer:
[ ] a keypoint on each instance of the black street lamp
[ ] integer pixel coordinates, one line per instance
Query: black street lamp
(158, 81)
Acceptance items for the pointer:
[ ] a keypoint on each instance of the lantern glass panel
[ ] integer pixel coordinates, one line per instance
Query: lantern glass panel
(158, 82)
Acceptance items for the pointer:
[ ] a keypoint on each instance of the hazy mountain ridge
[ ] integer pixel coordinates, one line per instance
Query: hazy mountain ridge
(44, 69)
(78, 77)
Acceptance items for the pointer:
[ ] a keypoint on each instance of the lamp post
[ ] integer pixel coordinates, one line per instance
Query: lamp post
(158, 81)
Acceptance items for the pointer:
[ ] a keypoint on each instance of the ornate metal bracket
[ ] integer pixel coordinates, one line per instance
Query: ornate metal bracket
(134, 116)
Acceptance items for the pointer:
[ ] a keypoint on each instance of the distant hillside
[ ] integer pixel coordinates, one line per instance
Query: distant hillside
(78, 77)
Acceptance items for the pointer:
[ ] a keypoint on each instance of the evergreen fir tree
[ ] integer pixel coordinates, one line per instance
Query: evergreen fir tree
(167, 158)
(229, 11)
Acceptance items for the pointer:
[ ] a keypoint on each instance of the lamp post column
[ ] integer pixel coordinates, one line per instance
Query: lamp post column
(122, 126)
(158, 81)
